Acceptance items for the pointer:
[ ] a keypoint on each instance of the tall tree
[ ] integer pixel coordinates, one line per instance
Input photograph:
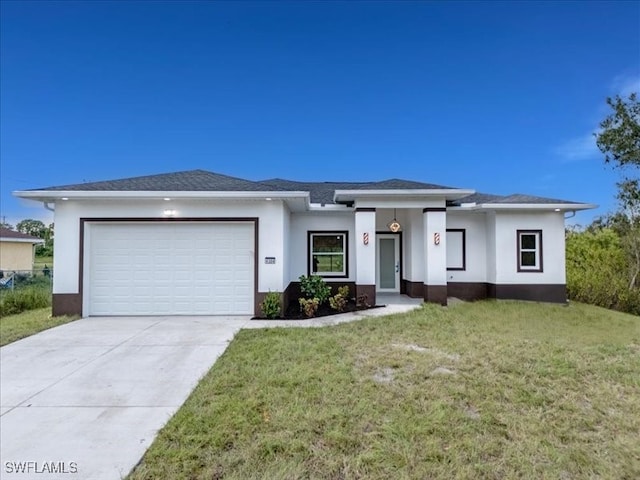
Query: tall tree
(619, 141)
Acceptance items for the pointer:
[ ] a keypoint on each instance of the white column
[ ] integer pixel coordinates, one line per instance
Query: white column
(435, 258)
(365, 242)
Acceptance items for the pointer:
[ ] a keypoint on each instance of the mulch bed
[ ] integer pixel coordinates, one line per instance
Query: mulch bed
(294, 313)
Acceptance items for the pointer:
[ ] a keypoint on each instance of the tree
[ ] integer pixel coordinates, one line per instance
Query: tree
(619, 141)
(619, 138)
(6, 225)
(35, 228)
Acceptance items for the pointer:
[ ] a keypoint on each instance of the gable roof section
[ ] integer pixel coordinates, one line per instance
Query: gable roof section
(188, 181)
(7, 235)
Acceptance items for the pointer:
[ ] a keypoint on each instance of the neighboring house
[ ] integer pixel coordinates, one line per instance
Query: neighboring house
(197, 242)
(17, 250)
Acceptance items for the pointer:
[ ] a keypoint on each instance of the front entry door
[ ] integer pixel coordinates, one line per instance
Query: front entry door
(388, 263)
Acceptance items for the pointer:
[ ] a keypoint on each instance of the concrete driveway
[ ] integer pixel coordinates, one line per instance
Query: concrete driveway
(87, 398)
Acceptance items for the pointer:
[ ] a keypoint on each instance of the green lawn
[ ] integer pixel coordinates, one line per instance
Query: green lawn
(15, 327)
(482, 390)
(40, 262)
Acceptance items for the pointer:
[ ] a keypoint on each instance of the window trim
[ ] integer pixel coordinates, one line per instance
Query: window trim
(538, 251)
(310, 235)
(464, 249)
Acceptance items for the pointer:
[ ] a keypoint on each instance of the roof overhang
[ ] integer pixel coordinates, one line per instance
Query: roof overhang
(297, 201)
(555, 207)
(35, 241)
(53, 195)
(446, 193)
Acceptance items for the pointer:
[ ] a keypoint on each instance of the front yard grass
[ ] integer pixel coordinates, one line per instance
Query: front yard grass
(480, 390)
(15, 327)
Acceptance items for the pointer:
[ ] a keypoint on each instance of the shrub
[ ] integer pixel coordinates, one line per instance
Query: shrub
(270, 306)
(309, 306)
(339, 300)
(313, 286)
(596, 271)
(18, 301)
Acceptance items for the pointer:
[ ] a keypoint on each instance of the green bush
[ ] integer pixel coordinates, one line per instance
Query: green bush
(270, 306)
(597, 271)
(313, 286)
(21, 300)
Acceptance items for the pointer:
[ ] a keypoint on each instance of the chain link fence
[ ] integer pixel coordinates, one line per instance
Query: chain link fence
(12, 280)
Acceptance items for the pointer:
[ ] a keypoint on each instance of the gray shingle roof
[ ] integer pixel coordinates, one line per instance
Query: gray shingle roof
(320, 192)
(515, 198)
(189, 181)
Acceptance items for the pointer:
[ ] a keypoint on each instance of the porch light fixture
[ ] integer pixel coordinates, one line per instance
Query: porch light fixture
(394, 226)
(169, 212)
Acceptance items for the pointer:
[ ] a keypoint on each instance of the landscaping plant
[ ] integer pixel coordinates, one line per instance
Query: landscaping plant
(313, 286)
(270, 306)
(339, 300)
(309, 306)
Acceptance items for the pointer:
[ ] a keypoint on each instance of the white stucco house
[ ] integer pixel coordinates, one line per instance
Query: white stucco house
(198, 242)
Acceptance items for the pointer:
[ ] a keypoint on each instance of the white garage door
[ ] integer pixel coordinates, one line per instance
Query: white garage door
(177, 268)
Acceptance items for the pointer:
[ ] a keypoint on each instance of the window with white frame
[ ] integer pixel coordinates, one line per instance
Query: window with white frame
(328, 254)
(529, 250)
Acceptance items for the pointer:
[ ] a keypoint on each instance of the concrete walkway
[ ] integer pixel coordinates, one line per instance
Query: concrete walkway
(86, 399)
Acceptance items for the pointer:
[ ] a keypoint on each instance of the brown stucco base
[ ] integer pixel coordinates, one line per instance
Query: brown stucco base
(412, 289)
(479, 290)
(537, 293)
(66, 304)
(435, 294)
(369, 291)
(468, 290)
(430, 293)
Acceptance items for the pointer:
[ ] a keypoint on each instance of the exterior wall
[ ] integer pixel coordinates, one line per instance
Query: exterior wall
(475, 225)
(271, 241)
(491, 247)
(553, 251)
(501, 278)
(301, 223)
(16, 256)
(414, 260)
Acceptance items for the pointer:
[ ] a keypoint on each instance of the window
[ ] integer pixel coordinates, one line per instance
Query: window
(328, 254)
(456, 246)
(529, 250)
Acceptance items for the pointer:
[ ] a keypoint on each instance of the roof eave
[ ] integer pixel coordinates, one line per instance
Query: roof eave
(447, 193)
(53, 195)
(564, 207)
(22, 240)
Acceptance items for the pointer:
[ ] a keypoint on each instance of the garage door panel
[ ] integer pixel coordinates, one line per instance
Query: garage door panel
(181, 268)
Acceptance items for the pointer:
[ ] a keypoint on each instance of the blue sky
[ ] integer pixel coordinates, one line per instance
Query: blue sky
(498, 97)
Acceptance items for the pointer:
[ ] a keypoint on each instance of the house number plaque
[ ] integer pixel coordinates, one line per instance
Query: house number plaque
(270, 260)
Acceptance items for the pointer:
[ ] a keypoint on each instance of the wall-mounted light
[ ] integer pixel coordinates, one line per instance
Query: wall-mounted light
(65, 198)
(166, 199)
(169, 212)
